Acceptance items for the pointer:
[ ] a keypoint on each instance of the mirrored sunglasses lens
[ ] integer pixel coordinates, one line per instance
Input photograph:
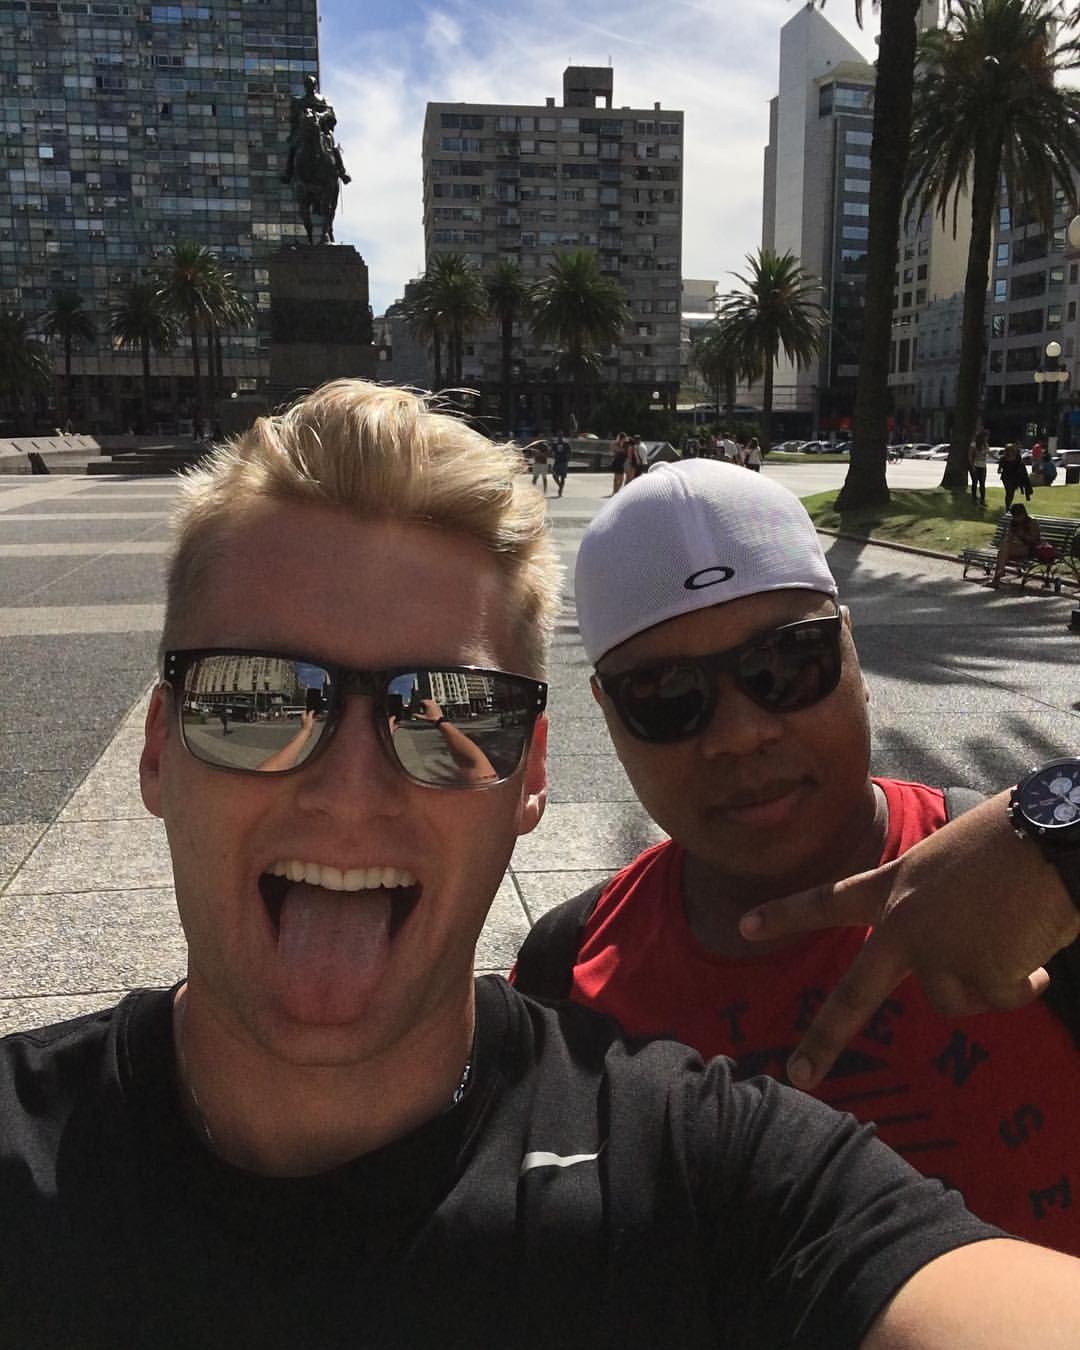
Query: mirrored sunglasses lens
(459, 728)
(667, 704)
(793, 669)
(262, 713)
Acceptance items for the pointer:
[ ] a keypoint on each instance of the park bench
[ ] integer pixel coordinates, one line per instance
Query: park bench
(1060, 531)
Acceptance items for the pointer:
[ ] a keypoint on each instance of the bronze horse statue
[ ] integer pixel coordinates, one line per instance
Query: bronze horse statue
(317, 172)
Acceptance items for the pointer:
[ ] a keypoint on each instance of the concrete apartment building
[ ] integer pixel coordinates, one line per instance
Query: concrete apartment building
(131, 125)
(526, 182)
(816, 204)
(1034, 294)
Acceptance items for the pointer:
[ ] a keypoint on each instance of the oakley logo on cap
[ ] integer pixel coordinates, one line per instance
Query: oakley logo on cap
(708, 576)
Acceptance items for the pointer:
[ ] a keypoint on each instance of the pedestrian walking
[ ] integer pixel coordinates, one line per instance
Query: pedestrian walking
(560, 461)
(977, 467)
(752, 457)
(540, 464)
(1014, 474)
(620, 447)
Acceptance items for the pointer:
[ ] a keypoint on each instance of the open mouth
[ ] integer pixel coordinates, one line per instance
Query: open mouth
(386, 884)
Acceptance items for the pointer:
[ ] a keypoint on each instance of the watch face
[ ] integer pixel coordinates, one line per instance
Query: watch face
(1050, 798)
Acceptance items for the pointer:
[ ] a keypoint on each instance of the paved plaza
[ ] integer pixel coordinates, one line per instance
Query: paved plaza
(968, 686)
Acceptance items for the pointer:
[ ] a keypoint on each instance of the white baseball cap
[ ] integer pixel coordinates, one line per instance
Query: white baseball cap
(686, 536)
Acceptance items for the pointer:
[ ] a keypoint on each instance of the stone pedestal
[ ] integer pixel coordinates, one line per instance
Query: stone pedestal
(320, 318)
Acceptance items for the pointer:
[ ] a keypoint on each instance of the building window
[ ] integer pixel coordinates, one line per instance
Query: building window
(1004, 218)
(858, 137)
(997, 326)
(920, 275)
(856, 161)
(1001, 291)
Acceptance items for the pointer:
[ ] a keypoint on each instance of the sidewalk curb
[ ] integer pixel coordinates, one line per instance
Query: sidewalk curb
(888, 543)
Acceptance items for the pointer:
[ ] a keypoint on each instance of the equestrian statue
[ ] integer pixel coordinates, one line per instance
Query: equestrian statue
(314, 165)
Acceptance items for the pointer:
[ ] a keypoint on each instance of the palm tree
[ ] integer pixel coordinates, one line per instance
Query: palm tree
(508, 297)
(987, 109)
(716, 359)
(142, 320)
(458, 297)
(67, 320)
(188, 290)
(25, 367)
(775, 310)
(582, 313)
(865, 482)
(425, 322)
(229, 308)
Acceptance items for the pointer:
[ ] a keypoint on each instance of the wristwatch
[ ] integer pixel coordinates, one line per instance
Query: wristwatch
(1045, 807)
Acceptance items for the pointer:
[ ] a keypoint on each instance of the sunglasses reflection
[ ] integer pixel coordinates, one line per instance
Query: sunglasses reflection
(264, 714)
(471, 765)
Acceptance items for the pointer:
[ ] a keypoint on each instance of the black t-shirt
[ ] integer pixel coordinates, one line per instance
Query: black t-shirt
(585, 1192)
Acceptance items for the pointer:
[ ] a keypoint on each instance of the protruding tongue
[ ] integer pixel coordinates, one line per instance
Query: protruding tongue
(332, 946)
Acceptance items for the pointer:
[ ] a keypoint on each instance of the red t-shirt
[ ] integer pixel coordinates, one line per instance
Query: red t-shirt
(988, 1103)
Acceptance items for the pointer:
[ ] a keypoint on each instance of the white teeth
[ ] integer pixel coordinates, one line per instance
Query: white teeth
(335, 879)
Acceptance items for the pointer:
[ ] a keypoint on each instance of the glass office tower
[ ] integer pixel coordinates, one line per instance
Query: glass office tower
(129, 126)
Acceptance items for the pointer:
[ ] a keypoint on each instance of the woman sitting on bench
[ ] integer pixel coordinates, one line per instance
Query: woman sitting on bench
(1021, 542)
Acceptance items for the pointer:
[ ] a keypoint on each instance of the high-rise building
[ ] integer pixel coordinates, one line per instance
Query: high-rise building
(525, 182)
(131, 125)
(817, 205)
(1034, 294)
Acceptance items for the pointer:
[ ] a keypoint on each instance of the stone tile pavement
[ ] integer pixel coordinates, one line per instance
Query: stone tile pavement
(967, 686)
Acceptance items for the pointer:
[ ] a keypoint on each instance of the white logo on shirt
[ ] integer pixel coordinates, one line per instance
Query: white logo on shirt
(541, 1159)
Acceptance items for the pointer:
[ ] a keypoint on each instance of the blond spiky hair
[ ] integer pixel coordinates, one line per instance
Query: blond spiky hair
(382, 454)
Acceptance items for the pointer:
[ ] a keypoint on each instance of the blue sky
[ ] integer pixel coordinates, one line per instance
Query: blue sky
(384, 60)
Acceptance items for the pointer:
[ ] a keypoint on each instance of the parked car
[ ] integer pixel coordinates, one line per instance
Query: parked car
(918, 450)
(815, 448)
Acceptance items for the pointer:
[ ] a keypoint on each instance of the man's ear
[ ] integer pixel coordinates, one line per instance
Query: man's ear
(156, 730)
(534, 781)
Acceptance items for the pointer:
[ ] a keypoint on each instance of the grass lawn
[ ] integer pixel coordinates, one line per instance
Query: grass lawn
(935, 518)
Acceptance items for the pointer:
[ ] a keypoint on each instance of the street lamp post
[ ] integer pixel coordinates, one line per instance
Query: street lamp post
(1054, 376)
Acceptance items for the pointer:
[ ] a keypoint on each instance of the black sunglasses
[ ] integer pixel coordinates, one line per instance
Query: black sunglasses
(785, 670)
(270, 712)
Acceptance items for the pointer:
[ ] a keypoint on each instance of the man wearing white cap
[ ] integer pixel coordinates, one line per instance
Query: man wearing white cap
(731, 687)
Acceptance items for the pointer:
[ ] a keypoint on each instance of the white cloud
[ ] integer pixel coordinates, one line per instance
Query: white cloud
(716, 61)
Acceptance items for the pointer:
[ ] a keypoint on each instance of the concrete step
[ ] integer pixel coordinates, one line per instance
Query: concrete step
(146, 462)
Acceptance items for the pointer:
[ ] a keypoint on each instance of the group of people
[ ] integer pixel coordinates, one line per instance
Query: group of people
(747, 453)
(555, 455)
(330, 1132)
(629, 458)
(1023, 539)
(1011, 469)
